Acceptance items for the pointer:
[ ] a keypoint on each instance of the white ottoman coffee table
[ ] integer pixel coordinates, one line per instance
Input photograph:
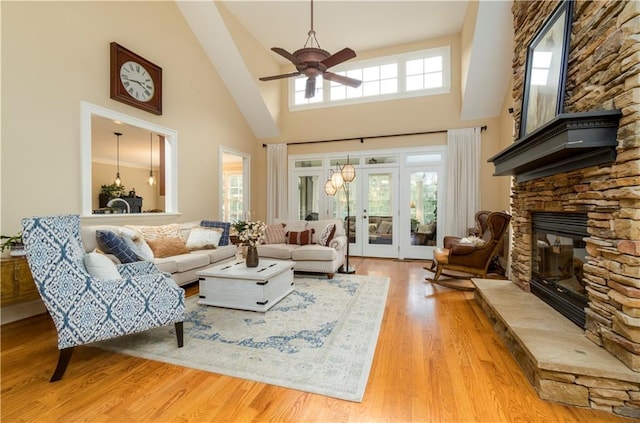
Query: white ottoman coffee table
(234, 285)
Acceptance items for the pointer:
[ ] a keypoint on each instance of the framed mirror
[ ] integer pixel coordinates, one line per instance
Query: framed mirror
(546, 69)
(142, 150)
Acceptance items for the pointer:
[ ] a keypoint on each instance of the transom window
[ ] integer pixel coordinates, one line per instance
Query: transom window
(418, 73)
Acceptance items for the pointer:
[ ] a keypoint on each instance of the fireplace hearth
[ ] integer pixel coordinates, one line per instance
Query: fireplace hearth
(558, 257)
(584, 162)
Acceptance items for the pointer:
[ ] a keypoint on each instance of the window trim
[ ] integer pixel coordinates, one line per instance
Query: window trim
(400, 60)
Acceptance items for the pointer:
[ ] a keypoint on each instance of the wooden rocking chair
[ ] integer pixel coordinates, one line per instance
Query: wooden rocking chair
(469, 258)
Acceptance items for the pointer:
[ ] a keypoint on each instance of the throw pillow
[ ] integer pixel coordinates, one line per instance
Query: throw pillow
(384, 228)
(129, 232)
(293, 225)
(477, 242)
(327, 234)
(167, 247)
(111, 243)
(137, 243)
(225, 226)
(132, 245)
(274, 234)
(160, 231)
(100, 267)
(301, 238)
(426, 229)
(201, 238)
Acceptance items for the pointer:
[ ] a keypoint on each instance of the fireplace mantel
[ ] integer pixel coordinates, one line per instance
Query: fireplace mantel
(570, 141)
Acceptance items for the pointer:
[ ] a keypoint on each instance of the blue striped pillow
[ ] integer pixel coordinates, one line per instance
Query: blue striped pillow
(110, 243)
(225, 226)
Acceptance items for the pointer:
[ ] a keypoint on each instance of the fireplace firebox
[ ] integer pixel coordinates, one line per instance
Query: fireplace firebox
(558, 256)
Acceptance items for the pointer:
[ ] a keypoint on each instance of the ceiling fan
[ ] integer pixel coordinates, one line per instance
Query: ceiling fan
(313, 61)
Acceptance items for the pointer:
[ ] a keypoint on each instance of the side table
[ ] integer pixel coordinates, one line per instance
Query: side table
(17, 283)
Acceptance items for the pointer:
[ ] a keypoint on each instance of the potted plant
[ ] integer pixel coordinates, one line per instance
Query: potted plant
(108, 192)
(13, 243)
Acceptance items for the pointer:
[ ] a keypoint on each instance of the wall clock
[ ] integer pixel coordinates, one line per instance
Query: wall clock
(135, 80)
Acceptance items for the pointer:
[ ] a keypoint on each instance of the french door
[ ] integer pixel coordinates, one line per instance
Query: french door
(371, 214)
(379, 212)
(392, 207)
(420, 195)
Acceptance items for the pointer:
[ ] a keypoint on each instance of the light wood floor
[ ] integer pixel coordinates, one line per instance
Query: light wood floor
(437, 360)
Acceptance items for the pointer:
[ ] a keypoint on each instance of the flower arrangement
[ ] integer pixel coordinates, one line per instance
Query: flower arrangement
(250, 233)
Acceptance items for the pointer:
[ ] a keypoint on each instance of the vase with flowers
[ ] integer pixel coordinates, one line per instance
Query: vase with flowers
(250, 233)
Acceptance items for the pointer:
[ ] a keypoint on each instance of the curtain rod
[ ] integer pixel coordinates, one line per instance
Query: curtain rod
(361, 139)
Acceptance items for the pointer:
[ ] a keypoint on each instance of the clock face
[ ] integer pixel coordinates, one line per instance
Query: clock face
(137, 81)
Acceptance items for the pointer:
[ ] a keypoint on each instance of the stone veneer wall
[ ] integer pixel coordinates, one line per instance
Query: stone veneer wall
(603, 74)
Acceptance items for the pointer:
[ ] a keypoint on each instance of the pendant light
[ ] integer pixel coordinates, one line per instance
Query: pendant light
(348, 172)
(329, 188)
(151, 181)
(341, 178)
(117, 181)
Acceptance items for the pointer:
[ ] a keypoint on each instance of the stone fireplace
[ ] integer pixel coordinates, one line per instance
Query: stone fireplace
(557, 262)
(603, 75)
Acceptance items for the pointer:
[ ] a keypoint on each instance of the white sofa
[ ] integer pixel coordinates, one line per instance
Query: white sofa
(182, 267)
(313, 257)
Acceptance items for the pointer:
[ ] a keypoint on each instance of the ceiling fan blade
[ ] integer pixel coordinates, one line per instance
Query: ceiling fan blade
(310, 91)
(339, 57)
(344, 80)
(284, 53)
(284, 75)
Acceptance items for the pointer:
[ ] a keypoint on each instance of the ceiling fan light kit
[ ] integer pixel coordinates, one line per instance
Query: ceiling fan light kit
(313, 62)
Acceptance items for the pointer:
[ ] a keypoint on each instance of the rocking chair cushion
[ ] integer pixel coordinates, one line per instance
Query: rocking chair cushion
(463, 249)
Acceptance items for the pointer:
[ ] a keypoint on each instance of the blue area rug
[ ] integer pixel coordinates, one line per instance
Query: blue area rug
(320, 338)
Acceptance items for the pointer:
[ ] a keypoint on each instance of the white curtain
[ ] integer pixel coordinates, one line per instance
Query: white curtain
(276, 181)
(463, 180)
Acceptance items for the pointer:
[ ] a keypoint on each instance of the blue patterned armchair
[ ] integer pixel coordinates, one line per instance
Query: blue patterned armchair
(85, 309)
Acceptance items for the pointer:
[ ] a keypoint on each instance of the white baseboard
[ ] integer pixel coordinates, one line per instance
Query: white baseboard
(13, 312)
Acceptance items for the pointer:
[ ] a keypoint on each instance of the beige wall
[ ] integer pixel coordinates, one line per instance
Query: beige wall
(56, 54)
(389, 117)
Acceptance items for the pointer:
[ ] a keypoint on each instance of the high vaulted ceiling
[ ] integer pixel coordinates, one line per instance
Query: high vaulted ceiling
(359, 24)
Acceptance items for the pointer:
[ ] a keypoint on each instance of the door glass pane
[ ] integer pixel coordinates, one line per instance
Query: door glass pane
(308, 163)
(232, 188)
(424, 207)
(340, 209)
(308, 195)
(236, 209)
(380, 208)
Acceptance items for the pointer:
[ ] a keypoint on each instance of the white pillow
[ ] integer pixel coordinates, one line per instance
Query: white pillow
(100, 267)
(477, 242)
(142, 250)
(201, 238)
